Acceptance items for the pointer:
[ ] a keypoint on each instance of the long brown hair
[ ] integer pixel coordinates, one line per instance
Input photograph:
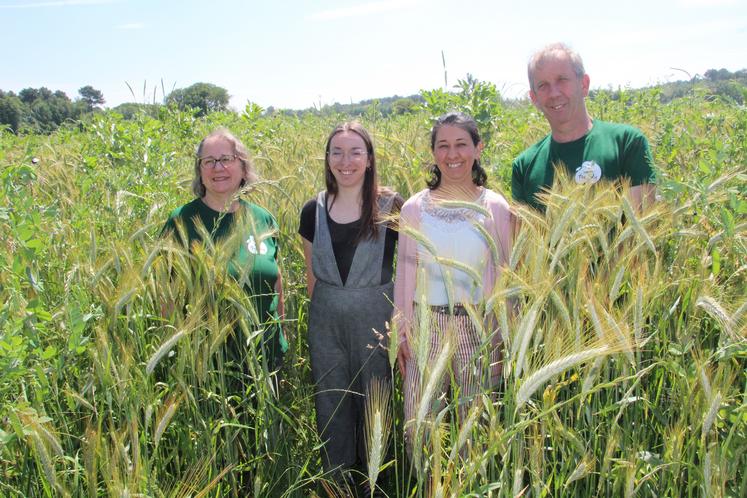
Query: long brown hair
(370, 189)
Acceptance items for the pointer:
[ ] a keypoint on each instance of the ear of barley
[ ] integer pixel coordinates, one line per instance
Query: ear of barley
(134, 444)
(716, 311)
(421, 335)
(377, 426)
(616, 284)
(591, 376)
(560, 227)
(167, 415)
(123, 300)
(524, 336)
(457, 204)
(633, 219)
(561, 308)
(47, 436)
(44, 459)
(90, 449)
(711, 414)
(163, 350)
(519, 249)
(465, 430)
(393, 329)
(433, 381)
(495, 255)
(564, 249)
(621, 337)
(538, 378)
(213, 483)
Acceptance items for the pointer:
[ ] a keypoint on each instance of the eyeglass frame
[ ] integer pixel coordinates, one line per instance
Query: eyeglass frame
(225, 160)
(353, 155)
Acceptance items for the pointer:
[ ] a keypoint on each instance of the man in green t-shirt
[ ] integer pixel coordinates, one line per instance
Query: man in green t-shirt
(589, 149)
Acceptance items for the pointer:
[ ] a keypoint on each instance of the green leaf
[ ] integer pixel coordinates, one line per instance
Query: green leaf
(49, 353)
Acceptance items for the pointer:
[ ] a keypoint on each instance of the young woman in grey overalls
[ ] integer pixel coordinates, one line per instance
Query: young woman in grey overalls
(349, 252)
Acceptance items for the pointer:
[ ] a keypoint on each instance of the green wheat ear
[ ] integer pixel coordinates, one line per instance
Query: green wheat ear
(378, 423)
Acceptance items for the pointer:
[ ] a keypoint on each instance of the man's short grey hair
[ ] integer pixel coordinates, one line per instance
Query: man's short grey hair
(553, 51)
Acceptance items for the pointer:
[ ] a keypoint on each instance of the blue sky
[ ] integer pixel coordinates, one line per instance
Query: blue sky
(296, 54)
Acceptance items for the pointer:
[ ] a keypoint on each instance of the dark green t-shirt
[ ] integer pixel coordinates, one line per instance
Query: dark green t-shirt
(609, 151)
(255, 260)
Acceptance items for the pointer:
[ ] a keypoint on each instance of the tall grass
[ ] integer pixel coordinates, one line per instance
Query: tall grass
(625, 334)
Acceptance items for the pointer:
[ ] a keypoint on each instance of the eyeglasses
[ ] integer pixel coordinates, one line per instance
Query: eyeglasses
(337, 156)
(210, 162)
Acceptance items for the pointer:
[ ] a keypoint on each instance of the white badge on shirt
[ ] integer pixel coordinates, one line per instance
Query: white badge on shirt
(588, 173)
(251, 245)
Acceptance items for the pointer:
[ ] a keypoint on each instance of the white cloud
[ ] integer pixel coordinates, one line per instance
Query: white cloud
(55, 3)
(363, 9)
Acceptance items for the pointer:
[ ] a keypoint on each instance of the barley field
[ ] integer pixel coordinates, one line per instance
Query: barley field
(625, 352)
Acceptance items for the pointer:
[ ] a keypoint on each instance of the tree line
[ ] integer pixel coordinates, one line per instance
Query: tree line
(39, 110)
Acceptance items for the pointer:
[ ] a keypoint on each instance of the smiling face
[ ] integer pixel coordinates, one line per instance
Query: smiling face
(222, 178)
(455, 152)
(348, 159)
(559, 93)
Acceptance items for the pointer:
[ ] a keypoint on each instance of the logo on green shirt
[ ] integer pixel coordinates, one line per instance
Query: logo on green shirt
(588, 173)
(251, 246)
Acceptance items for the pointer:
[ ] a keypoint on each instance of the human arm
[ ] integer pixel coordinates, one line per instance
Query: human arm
(310, 278)
(307, 231)
(643, 196)
(404, 283)
(639, 167)
(281, 298)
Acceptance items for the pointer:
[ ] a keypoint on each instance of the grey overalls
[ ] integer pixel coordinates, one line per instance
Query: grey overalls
(345, 352)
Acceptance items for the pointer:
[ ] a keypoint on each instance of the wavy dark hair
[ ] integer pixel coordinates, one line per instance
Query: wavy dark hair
(370, 189)
(468, 124)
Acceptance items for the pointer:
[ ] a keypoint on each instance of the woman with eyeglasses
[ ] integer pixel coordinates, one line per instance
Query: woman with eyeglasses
(454, 238)
(349, 245)
(222, 167)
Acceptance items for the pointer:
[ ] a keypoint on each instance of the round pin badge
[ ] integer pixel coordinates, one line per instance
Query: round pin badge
(588, 173)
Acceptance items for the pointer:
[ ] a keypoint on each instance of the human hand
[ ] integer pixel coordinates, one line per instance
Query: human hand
(403, 354)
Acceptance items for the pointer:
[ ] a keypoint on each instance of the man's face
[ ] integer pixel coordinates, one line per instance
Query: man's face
(559, 93)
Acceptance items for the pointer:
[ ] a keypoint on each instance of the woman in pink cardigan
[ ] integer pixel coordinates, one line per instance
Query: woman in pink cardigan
(455, 236)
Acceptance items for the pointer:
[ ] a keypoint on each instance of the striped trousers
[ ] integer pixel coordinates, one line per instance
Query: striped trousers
(455, 360)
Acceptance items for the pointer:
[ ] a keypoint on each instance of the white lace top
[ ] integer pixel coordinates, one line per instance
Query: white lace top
(451, 234)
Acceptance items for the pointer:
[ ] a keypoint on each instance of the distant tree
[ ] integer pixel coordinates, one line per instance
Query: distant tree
(11, 111)
(129, 110)
(91, 97)
(28, 95)
(205, 97)
(404, 106)
(45, 110)
(718, 74)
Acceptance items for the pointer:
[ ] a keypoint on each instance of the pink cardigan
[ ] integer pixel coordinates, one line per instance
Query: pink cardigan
(500, 226)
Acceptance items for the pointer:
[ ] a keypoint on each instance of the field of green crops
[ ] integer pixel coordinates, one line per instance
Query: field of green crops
(625, 355)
